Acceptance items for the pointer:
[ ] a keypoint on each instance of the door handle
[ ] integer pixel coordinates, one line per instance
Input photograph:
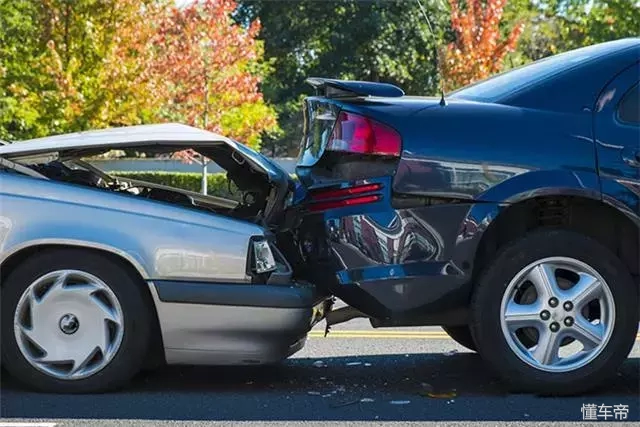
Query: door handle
(631, 157)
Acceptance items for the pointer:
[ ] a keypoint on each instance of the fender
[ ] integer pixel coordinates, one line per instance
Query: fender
(526, 186)
(132, 258)
(543, 183)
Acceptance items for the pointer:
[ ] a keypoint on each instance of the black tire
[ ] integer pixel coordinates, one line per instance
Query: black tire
(461, 335)
(135, 307)
(486, 302)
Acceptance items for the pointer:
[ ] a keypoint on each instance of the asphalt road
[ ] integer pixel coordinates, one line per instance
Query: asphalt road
(367, 377)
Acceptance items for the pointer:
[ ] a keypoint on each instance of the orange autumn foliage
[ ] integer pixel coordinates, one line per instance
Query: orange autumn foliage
(208, 66)
(479, 48)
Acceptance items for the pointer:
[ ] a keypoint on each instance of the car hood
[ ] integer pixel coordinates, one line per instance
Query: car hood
(159, 137)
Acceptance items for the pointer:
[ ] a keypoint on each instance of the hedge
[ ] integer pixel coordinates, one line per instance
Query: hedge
(217, 184)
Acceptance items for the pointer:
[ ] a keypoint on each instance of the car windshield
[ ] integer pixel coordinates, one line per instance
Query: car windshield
(502, 85)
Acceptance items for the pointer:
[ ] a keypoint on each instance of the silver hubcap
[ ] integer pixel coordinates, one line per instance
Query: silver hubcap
(557, 314)
(68, 324)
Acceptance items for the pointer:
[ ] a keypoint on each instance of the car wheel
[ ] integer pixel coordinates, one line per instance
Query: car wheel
(556, 313)
(461, 335)
(73, 321)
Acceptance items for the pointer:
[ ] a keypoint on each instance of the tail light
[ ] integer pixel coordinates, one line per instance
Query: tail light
(263, 259)
(338, 198)
(353, 133)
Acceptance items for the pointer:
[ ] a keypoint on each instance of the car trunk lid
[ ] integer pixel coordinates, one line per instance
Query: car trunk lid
(241, 162)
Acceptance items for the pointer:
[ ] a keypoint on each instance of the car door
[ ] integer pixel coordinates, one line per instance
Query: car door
(617, 136)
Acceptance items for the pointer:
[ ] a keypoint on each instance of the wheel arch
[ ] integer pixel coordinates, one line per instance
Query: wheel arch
(577, 212)
(17, 253)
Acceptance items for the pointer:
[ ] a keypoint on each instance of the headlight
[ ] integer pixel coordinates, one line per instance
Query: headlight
(263, 260)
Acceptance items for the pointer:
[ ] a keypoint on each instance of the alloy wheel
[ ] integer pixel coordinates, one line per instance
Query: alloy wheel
(557, 314)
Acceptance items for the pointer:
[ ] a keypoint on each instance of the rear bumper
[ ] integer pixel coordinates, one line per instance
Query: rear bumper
(233, 324)
(400, 266)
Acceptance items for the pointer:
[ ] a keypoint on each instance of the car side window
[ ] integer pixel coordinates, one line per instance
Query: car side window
(629, 107)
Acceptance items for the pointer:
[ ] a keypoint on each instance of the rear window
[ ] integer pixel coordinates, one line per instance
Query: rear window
(502, 85)
(629, 108)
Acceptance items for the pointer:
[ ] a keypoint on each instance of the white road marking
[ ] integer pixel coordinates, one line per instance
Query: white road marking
(28, 424)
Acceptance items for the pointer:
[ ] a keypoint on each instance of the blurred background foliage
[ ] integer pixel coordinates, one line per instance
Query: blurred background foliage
(238, 66)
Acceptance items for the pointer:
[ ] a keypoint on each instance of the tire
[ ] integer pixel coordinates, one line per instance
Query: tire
(127, 346)
(461, 335)
(497, 347)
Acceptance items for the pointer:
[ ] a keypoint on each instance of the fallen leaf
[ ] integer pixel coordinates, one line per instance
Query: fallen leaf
(444, 395)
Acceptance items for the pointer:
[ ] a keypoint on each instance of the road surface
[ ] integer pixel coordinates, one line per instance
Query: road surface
(357, 376)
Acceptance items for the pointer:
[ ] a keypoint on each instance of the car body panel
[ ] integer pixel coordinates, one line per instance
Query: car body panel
(165, 241)
(462, 164)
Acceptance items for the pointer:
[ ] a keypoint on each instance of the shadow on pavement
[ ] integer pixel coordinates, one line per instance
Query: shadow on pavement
(299, 390)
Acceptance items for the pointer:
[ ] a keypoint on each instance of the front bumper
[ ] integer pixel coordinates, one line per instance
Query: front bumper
(234, 324)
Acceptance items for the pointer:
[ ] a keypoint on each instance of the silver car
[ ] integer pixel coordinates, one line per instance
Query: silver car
(101, 275)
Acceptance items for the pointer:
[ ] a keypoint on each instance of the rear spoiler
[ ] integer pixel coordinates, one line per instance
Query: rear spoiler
(332, 88)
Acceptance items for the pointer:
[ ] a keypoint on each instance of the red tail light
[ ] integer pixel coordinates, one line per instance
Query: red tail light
(345, 192)
(362, 200)
(338, 198)
(353, 133)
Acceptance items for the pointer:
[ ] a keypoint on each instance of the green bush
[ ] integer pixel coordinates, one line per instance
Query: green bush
(217, 184)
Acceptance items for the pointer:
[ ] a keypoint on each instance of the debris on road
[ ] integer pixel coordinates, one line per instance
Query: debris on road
(366, 400)
(319, 364)
(314, 393)
(354, 363)
(451, 352)
(426, 388)
(345, 403)
(367, 364)
(444, 395)
(400, 402)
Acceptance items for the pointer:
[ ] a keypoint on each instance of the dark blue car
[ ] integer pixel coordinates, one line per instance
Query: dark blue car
(507, 212)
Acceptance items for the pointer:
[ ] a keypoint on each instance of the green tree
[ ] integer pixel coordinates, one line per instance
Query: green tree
(71, 65)
(369, 40)
(20, 48)
(555, 26)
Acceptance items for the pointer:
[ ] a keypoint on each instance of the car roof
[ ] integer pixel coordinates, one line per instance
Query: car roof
(170, 134)
(505, 85)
